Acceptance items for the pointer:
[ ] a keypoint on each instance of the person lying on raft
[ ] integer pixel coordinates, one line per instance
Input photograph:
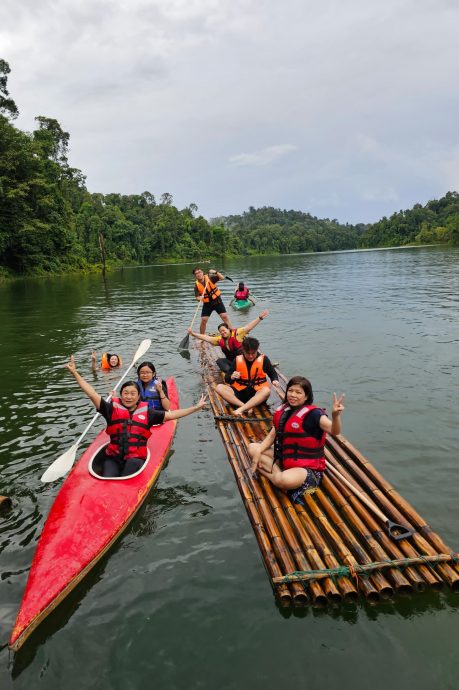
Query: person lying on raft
(292, 454)
(230, 340)
(153, 390)
(247, 380)
(207, 289)
(108, 361)
(242, 293)
(128, 424)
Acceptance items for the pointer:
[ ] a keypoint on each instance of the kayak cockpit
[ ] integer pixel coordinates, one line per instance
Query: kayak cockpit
(96, 461)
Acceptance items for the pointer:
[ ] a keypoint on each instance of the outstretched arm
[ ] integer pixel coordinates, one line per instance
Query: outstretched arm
(86, 387)
(201, 336)
(185, 411)
(334, 426)
(93, 361)
(256, 321)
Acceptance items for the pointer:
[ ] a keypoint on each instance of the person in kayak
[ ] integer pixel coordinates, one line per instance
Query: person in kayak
(128, 424)
(108, 361)
(153, 389)
(230, 340)
(241, 294)
(207, 292)
(247, 379)
(292, 454)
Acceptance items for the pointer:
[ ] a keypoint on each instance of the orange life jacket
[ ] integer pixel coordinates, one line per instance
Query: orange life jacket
(257, 378)
(105, 364)
(210, 290)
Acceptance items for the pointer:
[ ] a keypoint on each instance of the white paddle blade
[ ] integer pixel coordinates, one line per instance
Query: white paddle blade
(61, 466)
(143, 347)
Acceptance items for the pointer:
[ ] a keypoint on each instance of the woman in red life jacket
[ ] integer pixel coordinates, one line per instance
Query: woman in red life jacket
(230, 340)
(128, 424)
(242, 293)
(292, 454)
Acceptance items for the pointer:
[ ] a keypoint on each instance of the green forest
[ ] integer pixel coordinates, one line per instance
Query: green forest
(50, 222)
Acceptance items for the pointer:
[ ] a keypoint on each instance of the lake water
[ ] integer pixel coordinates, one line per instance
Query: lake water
(183, 599)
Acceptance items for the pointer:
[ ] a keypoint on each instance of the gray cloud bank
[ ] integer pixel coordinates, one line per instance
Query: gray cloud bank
(347, 110)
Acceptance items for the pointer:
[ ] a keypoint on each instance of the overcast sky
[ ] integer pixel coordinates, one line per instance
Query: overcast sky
(345, 109)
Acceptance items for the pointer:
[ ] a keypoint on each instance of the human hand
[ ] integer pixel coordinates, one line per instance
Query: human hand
(236, 375)
(93, 355)
(159, 385)
(202, 402)
(264, 313)
(337, 405)
(71, 365)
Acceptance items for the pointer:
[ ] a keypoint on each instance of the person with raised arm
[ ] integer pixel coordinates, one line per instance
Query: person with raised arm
(230, 340)
(129, 421)
(292, 455)
(206, 291)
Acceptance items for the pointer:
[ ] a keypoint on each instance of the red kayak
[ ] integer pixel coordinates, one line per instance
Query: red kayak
(87, 516)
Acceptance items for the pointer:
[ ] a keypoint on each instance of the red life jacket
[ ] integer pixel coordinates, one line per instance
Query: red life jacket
(257, 378)
(293, 447)
(128, 433)
(231, 346)
(242, 294)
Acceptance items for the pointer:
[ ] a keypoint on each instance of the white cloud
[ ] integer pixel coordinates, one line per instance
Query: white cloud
(158, 94)
(264, 157)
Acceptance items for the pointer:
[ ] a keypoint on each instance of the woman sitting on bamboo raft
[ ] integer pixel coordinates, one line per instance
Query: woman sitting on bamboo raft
(297, 461)
(229, 340)
(247, 379)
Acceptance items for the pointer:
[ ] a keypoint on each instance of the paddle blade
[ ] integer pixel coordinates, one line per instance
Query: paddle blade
(143, 347)
(184, 344)
(230, 279)
(61, 466)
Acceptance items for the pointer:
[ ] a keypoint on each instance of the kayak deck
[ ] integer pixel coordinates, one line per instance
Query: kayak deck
(241, 304)
(86, 518)
(334, 547)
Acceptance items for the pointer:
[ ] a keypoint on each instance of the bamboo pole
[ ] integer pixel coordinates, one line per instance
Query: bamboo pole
(333, 489)
(394, 496)
(347, 545)
(278, 555)
(449, 574)
(419, 577)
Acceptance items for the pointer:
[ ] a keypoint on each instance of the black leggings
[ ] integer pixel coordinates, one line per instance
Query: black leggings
(118, 468)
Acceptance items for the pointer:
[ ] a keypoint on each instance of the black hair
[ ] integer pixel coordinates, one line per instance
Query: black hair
(250, 344)
(305, 384)
(196, 268)
(130, 383)
(222, 324)
(150, 365)
(112, 355)
(241, 286)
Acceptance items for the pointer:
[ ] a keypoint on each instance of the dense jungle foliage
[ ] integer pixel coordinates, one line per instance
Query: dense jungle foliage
(50, 222)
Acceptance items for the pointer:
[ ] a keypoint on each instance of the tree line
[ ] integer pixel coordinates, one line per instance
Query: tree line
(50, 222)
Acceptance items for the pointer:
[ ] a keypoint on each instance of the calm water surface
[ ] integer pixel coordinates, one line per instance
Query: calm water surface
(183, 600)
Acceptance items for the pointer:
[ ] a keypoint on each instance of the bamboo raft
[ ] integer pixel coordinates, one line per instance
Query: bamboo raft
(334, 549)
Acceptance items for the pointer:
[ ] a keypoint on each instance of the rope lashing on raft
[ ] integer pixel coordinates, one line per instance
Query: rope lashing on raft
(356, 570)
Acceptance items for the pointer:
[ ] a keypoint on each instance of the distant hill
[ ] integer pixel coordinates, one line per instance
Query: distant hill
(269, 230)
(437, 221)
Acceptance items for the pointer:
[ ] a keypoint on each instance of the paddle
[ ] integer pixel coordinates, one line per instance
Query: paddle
(184, 344)
(64, 463)
(394, 530)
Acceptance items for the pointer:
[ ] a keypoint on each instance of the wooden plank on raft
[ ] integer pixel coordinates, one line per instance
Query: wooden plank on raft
(335, 547)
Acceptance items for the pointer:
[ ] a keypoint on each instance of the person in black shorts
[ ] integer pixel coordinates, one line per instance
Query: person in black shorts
(206, 291)
(128, 424)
